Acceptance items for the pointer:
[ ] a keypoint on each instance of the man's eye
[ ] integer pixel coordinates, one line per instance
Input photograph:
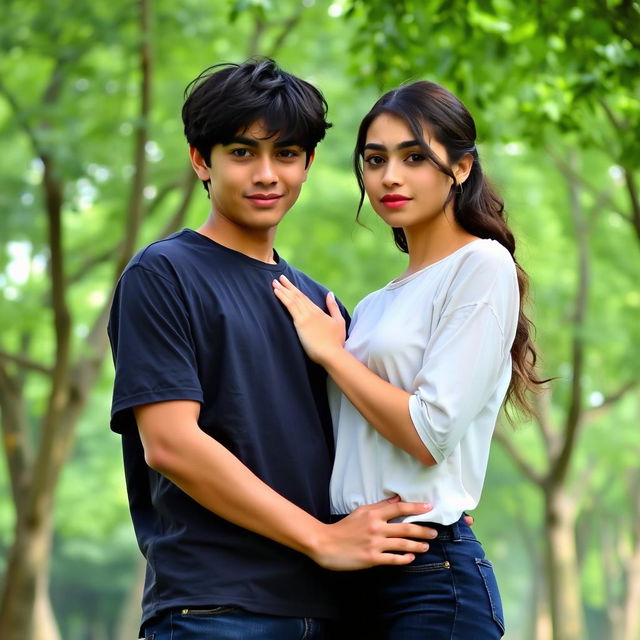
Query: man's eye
(240, 153)
(288, 153)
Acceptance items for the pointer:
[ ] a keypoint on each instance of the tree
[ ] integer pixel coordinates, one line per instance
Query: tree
(82, 134)
(34, 470)
(79, 142)
(554, 75)
(543, 69)
(570, 404)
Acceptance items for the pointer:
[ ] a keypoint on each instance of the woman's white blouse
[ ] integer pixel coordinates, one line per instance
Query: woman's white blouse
(444, 334)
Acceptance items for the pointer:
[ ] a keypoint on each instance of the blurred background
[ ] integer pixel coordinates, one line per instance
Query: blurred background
(94, 165)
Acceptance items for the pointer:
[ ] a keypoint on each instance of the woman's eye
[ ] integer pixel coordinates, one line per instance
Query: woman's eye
(374, 160)
(416, 157)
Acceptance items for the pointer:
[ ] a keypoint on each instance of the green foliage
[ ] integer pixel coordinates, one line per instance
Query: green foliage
(544, 80)
(550, 64)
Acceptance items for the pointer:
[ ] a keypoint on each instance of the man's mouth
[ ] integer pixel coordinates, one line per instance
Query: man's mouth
(264, 199)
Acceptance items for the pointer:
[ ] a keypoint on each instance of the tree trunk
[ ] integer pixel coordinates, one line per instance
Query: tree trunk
(631, 615)
(631, 605)
(612, 568)
(562, 566)
(541, 626)
(25, 607)
(26, 585)
(45, 626)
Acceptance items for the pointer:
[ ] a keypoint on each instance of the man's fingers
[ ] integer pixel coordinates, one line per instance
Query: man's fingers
(380, 503)
(406, 546)
(391, 511)
(408, 530)
(399, 551)
(395, 558)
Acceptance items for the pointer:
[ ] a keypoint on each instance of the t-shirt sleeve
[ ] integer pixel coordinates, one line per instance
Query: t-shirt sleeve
(152, 345)
(465, 359)
(345, 315)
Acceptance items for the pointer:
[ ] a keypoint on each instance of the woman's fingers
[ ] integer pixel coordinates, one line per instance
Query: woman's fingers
(286, 283)
(288, 292)
(291, 289)
(320, 333)
(298, 303)
(332, 307)
(287, 296)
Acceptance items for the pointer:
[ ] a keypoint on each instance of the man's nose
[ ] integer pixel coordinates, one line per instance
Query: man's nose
(265, 171)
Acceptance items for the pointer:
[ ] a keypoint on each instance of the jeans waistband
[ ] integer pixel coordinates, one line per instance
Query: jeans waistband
(453, 532)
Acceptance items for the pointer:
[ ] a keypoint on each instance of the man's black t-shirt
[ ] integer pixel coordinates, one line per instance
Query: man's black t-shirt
(193, 320)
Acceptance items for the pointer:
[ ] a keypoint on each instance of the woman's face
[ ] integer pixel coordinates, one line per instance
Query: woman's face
(404, 187)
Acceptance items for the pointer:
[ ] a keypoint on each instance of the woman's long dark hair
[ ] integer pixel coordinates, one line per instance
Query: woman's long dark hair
(477, 208)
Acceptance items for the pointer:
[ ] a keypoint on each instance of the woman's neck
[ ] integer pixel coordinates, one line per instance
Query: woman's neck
(429, 245)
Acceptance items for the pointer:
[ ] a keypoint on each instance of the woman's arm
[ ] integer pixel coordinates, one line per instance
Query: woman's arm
(463, 365)
(383, 405)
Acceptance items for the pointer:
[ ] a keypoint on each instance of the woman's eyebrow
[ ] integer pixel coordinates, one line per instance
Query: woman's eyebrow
(374, 146)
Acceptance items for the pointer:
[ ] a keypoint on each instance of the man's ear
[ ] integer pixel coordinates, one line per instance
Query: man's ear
(310, 158)
(463, 168)
(198, 163)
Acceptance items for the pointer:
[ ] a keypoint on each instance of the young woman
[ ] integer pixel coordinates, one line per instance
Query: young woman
(429, 361)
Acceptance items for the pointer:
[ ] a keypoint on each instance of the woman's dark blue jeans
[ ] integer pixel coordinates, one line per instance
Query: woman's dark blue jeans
(448, 593)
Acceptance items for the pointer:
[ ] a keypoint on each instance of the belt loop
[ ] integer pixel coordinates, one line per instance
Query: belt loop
(455, 532)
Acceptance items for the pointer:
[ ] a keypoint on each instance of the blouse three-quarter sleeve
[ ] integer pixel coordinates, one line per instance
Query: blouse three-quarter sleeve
(464, 362)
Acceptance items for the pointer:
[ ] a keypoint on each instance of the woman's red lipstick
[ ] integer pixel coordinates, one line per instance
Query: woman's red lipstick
(394, 200)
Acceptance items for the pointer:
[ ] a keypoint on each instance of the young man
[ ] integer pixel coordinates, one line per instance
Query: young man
(225, 425)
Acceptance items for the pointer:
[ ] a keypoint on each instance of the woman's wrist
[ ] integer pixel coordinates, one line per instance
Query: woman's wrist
(333, 357)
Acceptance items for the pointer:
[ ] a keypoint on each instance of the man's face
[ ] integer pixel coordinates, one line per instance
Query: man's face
(255, 180)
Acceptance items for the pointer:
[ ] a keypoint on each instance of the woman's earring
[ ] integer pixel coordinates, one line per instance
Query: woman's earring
(460, 189)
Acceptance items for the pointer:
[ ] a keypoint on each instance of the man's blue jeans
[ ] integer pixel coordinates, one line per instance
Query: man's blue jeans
(229, 623)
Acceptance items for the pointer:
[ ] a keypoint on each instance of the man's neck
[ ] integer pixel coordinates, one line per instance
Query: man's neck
(255, 243)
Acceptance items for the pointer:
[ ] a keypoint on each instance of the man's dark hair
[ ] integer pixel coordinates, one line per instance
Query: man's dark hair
(227, 98)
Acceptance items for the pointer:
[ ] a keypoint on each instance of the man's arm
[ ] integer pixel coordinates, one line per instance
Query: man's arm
(176, 447)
